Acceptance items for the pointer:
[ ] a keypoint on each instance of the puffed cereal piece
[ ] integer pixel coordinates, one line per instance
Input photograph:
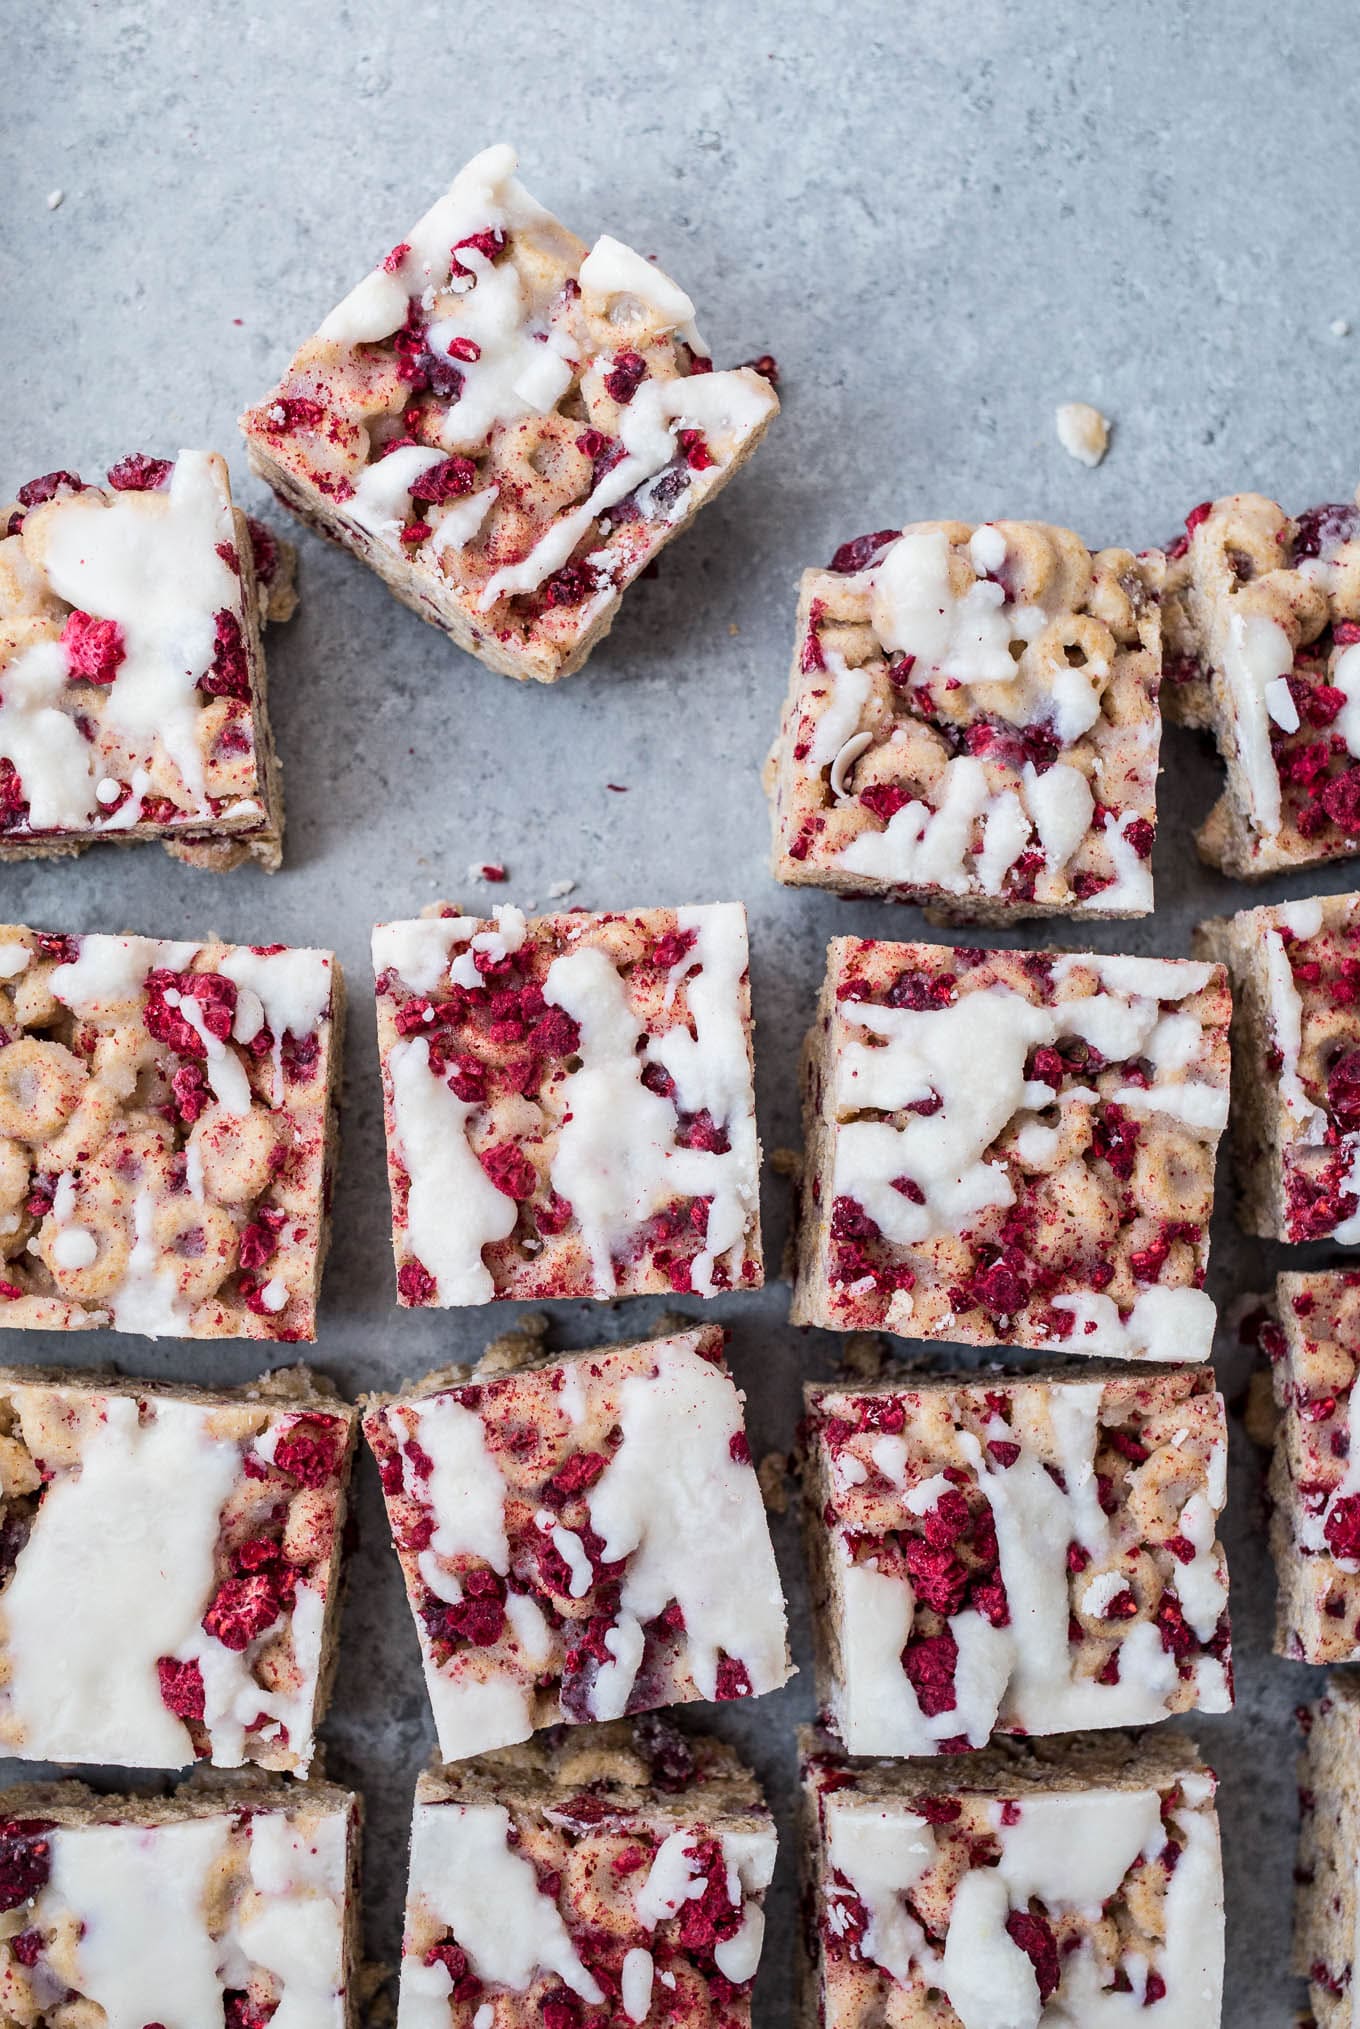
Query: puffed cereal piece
(582, 1537)
(1018, 1556)
(624, 1863)
(167, 1134)
(507, 427)
(1310, 1334)
(233, 1902)
(132, 675)
(1262, 622)
(172, 1567)
(972, 724)
(569, 1104)
(1013, 1148)
(1073, 1881)
(1295, 971)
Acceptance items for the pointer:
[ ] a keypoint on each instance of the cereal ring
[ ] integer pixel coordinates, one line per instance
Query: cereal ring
(14, 1174)
(87, 1255)
(540, 463)
(40, 1087)
(198, 1243)
(235, 1152)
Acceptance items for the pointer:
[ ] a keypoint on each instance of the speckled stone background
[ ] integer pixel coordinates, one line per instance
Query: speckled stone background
(943, 219)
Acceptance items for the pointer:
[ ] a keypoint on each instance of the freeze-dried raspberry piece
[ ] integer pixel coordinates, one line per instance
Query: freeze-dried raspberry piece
(139, 473)
(1036, 1940)
(863, 551)
(36, 491)
(25, 1860)
(181, 1685)
(509, 1170)
(930, 1662)
(243, 1609)
(310, 1449)
(228, 675)
(94, 648)
(449, 481)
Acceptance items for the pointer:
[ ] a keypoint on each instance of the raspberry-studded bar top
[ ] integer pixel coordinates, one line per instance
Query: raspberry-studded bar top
(1312, 1340)
(522, 420)
(1034, 1556)
(581, 1539)
(1015, 1147)
(164, 1114)
(1296, 968)
(594, 1884)
(170, 1566)
(569, 1104)
(973, 714)
(234, 1906)
(1081, 1888)
(1262, 623)
(131, 700)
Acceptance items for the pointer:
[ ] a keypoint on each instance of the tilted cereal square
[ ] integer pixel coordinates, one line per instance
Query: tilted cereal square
(569, 1104)
(972, 723)
(1327, 1876)
(1016, 1556)
(233, 1904)
(582, 1537)
(506, 426)
(167, 1129)
(1311, 1336)
(1295, 972)
(132, 677)
(1013, 1148)
(622, 1868)
(1262, 621)
(1078, 1881)
(169, 1564)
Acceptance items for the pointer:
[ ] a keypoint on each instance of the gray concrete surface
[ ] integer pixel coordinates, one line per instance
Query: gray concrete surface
(943, 219)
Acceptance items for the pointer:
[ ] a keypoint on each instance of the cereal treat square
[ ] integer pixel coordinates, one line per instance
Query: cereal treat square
(1295, 972)
(1013, 1147)
(167, 1134)
(1327, 1893)
(1262, 620)
(1037, 1556)
(616, 1874)
(581, 1536)
(972, 723)
(132, 678)
(1310, 1335)
(235, 1903)
(169, 1566)
(1073, 1882)
(569, 1104)
(506, 426)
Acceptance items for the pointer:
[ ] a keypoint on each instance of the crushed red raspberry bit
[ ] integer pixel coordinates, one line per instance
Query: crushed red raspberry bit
(294, 412)
(625, 377)
(449, 481)
(94, 648)
(182, 1689)
(138, 473)
(862, 551)
(35, 491)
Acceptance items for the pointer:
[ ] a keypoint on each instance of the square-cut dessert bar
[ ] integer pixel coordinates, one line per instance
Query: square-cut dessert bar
(235, 1903)
(1071, 1882)
(1262, 617)
(616, 1873)
(972, 723)
(994, 1555)
(582, 1537)
(132, 677)
(1327, 1895)
(169, 1568)
(1295, 971)
(1311, 1336)
(167, 1130)
(1013, 1147)
(569, 1104)
(506, 426)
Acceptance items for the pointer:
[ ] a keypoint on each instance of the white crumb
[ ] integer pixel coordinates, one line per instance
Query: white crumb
(54, 198)
(1340, 328)
(1083, 432)
(560, 888)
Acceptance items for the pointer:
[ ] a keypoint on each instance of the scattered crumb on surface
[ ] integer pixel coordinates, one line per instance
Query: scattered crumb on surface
(1340, 328)
(487, 870)
(733, 628)
(1083, 432)
(54, 198)
(560, 888)
(772, 1473)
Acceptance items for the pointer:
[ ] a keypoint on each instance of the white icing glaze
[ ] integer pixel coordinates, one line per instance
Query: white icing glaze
(454, 1209)
(1256, 653)
(612, 269)
(1345, 675)
(382, 498)
(55, 763)
(636, 1984)
(692, 1523)
(107, 976)
(478, 1887)
(418, 951)
(288, 992)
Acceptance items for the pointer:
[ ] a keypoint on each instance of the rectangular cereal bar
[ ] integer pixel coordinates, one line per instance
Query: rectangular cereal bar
(569, 1104)
(996, 1555)
(972, 723)
(1262, 618)
(167, 1128)
(620, 1867)
(1310, 1335)
(169, 1568)
(235, 1904)
(1327, 1876)
(1076, 1882)
(1013, 1148)
(132, 677)
(506, 426)
(1295, 970)
(582, 1536)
